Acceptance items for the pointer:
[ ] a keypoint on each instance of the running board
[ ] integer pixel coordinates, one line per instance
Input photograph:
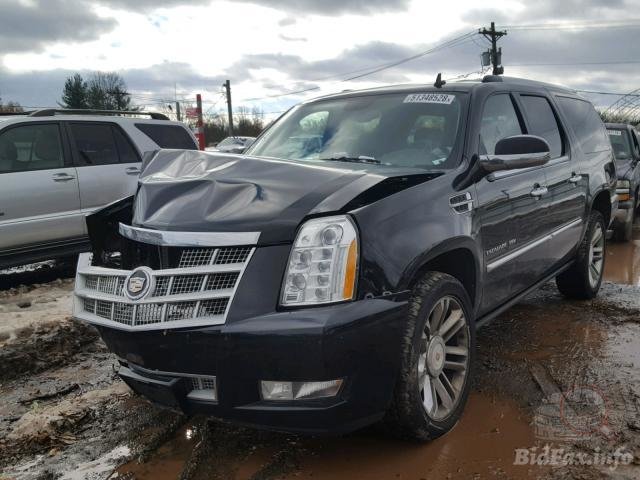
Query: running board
(482, 321)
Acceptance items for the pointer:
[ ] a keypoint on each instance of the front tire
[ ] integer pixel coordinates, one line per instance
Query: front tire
(583, 279)
(437, 360)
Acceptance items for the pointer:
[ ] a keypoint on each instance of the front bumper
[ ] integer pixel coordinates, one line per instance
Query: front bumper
(358, 342)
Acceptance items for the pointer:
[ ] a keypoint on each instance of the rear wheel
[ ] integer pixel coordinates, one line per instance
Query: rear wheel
(438, 356)
(583, 279)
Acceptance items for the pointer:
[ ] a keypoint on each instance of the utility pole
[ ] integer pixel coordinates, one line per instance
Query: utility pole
(200, 124)
(227, 86)
(494, 54)
(175, 97)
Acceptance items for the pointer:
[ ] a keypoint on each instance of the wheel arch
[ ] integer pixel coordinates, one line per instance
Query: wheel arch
(457, 257)
(602, 203)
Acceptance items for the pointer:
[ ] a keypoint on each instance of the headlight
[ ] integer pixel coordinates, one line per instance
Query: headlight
(323, 263)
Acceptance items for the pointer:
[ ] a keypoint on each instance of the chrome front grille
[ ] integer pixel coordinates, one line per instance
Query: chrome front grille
(196, 257)
(198, 292)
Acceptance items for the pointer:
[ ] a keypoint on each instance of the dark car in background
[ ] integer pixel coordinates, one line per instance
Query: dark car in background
(335, 275)
(626, 148)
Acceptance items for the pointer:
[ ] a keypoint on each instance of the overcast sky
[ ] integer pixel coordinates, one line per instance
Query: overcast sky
(270, 47)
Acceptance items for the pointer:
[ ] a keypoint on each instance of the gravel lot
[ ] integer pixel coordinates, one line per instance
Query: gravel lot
(551, 373)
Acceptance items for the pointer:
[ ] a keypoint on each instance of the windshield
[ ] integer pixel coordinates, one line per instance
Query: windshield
(620, 143)
(400, 130)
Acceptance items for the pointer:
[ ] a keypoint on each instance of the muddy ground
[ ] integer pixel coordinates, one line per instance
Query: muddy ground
(552, 374)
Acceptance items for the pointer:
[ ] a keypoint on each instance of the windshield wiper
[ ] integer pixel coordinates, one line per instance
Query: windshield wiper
(343, 157)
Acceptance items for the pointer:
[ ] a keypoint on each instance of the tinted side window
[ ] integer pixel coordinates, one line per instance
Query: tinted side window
(31, 147)
(95, 143)
(499, 120)
(586, 123)
(125, 149)
(542, 122)
(636, 143)
(168, 136)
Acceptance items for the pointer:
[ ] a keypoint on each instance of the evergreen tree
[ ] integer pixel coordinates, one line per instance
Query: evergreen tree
(102, 91)
(74, 94)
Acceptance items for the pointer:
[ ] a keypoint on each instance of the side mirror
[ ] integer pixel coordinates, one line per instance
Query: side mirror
(519, 151)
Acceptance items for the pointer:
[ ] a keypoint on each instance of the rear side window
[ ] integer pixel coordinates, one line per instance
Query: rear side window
(499, 120)
(636, 145)
(31, 147)
(586, 124)
(168, 136)
(542, 122)
(95, 144)
(125, 150)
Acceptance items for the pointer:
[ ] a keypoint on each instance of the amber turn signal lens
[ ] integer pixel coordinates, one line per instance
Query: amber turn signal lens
(350, 271)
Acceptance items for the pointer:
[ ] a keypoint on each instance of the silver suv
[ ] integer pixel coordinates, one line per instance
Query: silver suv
(57, 166)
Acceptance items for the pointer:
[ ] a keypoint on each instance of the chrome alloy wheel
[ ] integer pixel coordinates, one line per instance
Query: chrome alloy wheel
(443, 361)
(596, 255)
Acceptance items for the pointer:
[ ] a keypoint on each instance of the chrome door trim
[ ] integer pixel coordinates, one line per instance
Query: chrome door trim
(530, 246)
(188, 239)
(492, 177)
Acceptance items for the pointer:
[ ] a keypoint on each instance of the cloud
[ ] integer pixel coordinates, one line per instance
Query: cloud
(286, 38)
(298, 7)
(30, 26)
(149, 5)
(333, 7)
(552, 11)
(44, 88)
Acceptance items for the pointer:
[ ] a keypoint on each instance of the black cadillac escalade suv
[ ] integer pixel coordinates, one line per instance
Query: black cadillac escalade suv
(335, 274)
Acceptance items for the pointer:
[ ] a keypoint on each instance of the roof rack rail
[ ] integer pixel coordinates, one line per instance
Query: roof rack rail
(49, 112)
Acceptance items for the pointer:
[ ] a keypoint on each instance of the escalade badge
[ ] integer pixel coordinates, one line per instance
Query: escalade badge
(139, 283)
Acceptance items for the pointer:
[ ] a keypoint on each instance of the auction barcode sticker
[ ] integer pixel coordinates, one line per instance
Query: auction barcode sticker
(442, 98)
(617, 133)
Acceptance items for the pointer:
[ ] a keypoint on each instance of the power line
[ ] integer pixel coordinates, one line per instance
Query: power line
(372, 69)
(448, 44)
(631, 23)
(560, 64)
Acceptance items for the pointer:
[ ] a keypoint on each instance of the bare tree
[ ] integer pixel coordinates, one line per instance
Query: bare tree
(102, 91)
(10, 107)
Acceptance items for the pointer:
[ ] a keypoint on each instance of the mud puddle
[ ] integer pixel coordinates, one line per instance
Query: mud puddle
(551, 373)
(481, 445)
(623, 260)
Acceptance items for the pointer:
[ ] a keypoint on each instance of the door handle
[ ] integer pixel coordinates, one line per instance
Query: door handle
(575, 179)
(539, 192)
(132, 171)
(62, 177)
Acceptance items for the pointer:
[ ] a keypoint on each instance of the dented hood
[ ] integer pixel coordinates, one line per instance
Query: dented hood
(197, 191)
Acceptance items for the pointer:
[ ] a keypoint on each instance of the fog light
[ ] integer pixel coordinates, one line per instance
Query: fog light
(299, 390)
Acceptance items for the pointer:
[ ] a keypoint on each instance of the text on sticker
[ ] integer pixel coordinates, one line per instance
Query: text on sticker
(442, 98)
(617, 133)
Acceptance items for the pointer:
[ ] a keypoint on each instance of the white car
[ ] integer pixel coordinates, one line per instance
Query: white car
(233, 145)
(57, 166)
